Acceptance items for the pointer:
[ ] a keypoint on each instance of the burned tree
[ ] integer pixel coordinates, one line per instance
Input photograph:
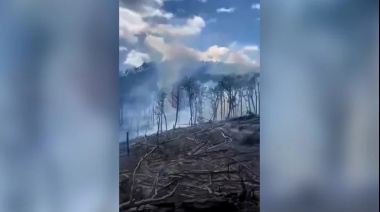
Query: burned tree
(199, 102)
(258, 93)
(174, 101)
(227, 84)
(159, 110)
(249, 90)
(189, 85)
(213, 96)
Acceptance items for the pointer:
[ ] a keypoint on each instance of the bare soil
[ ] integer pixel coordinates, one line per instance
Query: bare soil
(209, 167)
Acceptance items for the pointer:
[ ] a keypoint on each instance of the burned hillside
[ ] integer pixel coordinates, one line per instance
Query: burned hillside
(208, 167)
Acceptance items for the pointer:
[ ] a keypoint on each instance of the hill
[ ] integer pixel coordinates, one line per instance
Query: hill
(209, 167)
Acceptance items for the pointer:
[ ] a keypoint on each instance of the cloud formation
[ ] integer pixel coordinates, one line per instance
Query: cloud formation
(135, 58)
(251, 48)
(193, 26)
(255, 6)
(146, 40)
(225, 10)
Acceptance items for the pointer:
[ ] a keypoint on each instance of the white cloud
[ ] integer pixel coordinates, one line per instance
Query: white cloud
(183, 54)
(225, 10)
(172, 51)
(214, 53)
(251, 48)
(135, 58)
(255, 6)
(193, 26)
(240, 57)
(203, 1)
(149, 12)
(130, 24)
(123, 48)
(163, 43)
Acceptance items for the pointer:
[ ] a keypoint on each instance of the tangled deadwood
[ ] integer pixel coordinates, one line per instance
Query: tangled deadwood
(199, 169)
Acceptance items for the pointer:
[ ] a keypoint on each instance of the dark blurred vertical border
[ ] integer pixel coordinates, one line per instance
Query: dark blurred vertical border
(320, 100)
(59, 106)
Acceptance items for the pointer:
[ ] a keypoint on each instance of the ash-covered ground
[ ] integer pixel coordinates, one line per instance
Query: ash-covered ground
(209, 167)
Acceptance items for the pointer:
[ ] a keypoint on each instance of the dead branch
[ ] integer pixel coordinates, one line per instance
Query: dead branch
(204, 172)
(131, 204)
(225, 135)
(192, 140)
(134, 172)
(199, 147)
(244, 166)
(154, 186)
(163, 187)
(209, 184)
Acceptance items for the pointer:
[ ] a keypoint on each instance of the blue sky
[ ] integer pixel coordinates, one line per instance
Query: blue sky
(222, 28)
(182, 31)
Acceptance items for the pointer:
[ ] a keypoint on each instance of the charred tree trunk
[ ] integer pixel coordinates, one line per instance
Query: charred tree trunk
(158, 124)
(229, 105)
(127, 143)
(161, 122)
(221, 107)
(195, 112)
(153, 116)
(241, 104)
(176, 113)
(191, 111)
(166, 123)
(252, 102)
(258, 97)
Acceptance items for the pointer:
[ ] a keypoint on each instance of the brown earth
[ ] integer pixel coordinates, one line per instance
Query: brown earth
(209, 167)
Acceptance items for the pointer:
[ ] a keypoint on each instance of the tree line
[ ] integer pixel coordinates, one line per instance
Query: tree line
(233, 96)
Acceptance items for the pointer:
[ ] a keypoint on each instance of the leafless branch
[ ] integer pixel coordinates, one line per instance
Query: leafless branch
(135, 170)
(131, 204)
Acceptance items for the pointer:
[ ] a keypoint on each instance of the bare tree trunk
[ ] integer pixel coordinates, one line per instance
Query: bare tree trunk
(128, 143)
(147, 112)
(253, 103)
(176, 113)
(229, 105)
(153, 116)
(195, 112)
(166, 123)
(161, 122)
(258, 97)
(191, 112)
(158, 128)
(247, 102)
(158, 123)
(241, 104)
(223, 104)
(254, 99)
(221, 107)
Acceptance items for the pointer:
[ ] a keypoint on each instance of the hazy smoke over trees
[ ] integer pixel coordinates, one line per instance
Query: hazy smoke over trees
(196, 96)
